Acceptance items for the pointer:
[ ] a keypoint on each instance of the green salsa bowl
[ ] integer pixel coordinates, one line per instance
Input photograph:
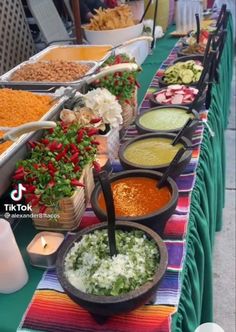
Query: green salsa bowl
(167, 119)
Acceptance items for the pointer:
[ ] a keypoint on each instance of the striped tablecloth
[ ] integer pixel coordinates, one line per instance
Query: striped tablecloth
(52, 310)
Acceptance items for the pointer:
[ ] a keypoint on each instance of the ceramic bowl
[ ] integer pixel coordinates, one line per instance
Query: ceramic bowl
(112, 305)
(188, 133)
(184, 160)
(113, 37)
(155, 220)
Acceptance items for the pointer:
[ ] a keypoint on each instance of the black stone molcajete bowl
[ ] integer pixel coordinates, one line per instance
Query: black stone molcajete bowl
(195, 57)
(184, 160)
(188, 132)
(156, 220)
(199, 58)
(112, 305)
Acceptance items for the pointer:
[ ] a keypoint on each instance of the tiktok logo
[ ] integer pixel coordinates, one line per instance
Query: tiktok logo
(17, 194)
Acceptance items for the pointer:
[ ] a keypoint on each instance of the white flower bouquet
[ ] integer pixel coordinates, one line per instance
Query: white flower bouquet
(98, 108)
(104, 104)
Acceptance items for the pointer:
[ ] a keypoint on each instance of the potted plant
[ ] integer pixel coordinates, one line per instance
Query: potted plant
(57, 175)
(101, 110)
(123, 85)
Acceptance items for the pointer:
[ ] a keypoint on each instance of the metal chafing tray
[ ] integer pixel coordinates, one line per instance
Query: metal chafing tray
(18, 149)
(79, 85)
(45, 53)
(44, 86)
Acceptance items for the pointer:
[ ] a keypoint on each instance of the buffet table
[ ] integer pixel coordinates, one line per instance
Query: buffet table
(194, 244)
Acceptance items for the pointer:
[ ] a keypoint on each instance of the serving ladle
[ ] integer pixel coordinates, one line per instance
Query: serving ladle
(13, 133)
(131, 41)
(70, 92)
(109, 203)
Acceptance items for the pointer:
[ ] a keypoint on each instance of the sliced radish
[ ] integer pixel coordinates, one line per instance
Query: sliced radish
(176, 94)
(169, 93)
(175, 87)
(160, 97)
(189, 96)
(168, 101)
(180, 92)
(177, 99)
(195, 91)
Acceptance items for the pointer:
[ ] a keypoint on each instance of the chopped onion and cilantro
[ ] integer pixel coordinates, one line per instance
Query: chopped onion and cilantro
(89, 267)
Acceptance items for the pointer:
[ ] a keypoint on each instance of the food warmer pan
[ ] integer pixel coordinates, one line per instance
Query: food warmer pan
(98, 53)
(18, 150)
(43, 86)
(49, 87)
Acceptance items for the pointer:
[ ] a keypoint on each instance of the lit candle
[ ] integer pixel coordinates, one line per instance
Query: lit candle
(43, 242)
(13, 273)
(43, 249)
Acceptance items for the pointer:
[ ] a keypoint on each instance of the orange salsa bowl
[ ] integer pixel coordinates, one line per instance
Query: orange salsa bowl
(137, 198)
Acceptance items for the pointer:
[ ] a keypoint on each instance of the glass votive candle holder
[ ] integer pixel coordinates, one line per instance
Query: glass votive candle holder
(43, 249)
(13, 273)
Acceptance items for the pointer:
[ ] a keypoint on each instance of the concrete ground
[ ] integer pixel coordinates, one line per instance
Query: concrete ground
(224, 251)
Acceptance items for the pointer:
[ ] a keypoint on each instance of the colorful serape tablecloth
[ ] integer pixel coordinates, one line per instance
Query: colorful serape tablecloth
(52, 310)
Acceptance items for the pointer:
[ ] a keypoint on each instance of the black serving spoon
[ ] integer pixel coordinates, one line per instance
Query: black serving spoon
(154, 24)
(182, 131)
(198, 96)
(205, 70)
(171, 167)
(212, 79)
(217, 48)
(207, 49)
(221, 16)
(189, 122)
(145, 11)
(111, 218)
(201, 84)
(198, 27)
(201, 89)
